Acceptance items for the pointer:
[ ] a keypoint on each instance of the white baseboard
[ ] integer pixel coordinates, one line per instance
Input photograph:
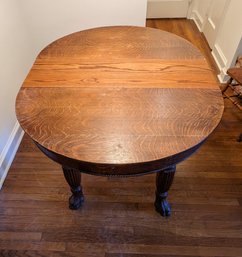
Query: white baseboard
(9, 151)
(217, 52)
(222, 76)
(219, 56)
(197, 18)
(221, 62)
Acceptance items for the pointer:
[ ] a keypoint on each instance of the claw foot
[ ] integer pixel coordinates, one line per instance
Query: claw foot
(162, 206)
(76, 200)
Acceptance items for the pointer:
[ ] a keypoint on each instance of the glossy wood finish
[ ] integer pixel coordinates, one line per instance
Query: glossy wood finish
(187, 30)
(119, 100)
(117, 219)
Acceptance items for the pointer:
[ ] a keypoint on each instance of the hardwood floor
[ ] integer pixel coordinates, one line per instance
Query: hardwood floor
(118, 217)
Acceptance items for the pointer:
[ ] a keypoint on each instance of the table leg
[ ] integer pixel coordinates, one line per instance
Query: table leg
(73, 178)
(164, 180)
(224, 88)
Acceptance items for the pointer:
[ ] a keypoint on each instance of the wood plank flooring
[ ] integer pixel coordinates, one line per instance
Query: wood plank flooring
(118, 217)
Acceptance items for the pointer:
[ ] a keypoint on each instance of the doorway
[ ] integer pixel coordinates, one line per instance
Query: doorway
(167, 8)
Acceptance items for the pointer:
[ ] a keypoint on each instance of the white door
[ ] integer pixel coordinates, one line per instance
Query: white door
(167, 8)
(214, 17)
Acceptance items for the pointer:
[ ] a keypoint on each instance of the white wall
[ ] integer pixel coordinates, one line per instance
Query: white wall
(26, 27)
(199, 12)
(16, 57)
(51, 19)
(227, 43)
(167, 8)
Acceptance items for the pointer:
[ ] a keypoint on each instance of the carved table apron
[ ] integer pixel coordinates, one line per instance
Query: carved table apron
(119, 101)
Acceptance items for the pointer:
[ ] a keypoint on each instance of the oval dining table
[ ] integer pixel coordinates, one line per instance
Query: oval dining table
(119, 101)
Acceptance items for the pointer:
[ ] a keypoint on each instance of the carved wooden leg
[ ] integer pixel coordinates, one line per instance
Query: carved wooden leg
(164, 180)
(73, 178)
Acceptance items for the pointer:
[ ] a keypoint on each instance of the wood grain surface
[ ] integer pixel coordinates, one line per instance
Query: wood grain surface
(236, 74)
(117, 218)
(119, 95)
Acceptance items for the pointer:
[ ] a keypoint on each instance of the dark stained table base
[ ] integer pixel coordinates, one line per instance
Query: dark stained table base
(164, 180)
(73, 178)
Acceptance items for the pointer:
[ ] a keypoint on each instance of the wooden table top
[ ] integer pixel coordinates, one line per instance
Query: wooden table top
(119, 96)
